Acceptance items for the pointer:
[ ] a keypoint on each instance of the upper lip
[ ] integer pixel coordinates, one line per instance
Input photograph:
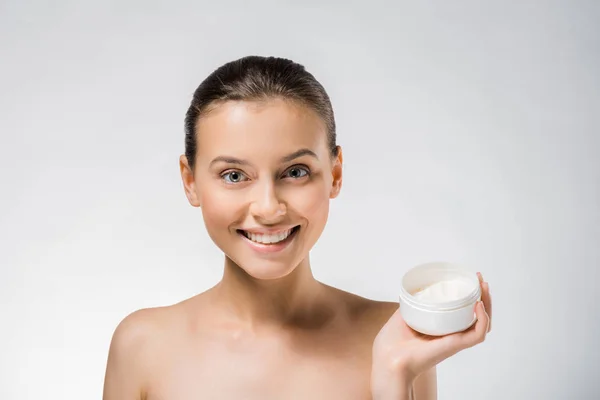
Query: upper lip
(268, 231)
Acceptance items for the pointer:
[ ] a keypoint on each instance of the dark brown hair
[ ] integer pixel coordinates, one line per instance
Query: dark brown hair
(258, 78)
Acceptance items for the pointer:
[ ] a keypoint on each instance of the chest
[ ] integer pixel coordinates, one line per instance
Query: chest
(265, 371)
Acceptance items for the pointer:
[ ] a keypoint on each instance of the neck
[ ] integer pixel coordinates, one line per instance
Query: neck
(296, 299)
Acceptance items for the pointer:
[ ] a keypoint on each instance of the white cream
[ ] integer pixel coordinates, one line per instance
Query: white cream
(445, 291)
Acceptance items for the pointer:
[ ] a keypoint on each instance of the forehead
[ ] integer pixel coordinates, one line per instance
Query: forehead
(267, 128)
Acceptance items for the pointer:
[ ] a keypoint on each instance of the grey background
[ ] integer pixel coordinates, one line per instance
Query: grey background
(470, 131)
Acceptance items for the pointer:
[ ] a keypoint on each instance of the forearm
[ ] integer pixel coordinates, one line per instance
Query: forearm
(403, 392)
(388, 386)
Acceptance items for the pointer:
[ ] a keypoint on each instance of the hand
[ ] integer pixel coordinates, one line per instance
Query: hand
(401, 354)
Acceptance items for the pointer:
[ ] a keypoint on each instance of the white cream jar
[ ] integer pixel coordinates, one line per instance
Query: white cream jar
(439, 298)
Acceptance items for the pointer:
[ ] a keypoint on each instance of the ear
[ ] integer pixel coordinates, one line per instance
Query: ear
(336, 173)
(189, 184)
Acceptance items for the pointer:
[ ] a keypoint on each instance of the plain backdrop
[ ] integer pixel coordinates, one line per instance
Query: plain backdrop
(471, 134)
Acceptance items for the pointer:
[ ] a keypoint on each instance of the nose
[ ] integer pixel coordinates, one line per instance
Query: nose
(266, 207)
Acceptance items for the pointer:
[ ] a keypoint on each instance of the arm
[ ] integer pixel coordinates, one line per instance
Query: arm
(124, 373)
(425, 386)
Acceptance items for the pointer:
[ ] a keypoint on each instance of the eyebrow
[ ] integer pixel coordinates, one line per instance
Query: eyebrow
(288, 158)
(298, 154)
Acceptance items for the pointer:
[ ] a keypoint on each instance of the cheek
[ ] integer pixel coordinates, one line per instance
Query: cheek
(314, 203)
(218, 208)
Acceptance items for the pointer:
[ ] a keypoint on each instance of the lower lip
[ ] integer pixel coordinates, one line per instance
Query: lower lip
(270, 248)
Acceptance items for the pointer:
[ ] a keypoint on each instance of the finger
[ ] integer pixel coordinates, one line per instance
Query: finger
(477, 334)
(486, 297)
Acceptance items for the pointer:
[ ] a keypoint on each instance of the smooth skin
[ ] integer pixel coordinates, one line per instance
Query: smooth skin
(269, 329)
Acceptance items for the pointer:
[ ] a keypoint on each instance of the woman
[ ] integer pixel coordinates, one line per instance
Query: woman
(262, 163)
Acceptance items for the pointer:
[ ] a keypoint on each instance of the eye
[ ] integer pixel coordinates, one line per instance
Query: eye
(297, 172)
(233, 177)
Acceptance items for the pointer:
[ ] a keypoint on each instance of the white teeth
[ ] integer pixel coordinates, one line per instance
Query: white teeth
(268, 239)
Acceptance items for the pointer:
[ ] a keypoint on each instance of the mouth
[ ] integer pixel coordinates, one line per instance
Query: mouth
(271, 240)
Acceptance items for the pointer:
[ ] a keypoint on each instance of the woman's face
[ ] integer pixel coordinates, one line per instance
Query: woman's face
(263, 179)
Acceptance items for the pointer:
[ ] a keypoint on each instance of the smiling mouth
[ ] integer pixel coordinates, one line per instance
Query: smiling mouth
(270, 239)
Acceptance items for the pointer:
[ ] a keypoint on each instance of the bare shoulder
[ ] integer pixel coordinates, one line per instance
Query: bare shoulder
(376, 313)
(135, 346)
(369, 315)
(381, 311)
(136, 331)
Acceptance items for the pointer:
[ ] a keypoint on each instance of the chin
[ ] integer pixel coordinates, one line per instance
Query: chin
(266, 269)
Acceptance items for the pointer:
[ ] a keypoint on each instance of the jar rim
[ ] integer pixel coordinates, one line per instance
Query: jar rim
(445, 268)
